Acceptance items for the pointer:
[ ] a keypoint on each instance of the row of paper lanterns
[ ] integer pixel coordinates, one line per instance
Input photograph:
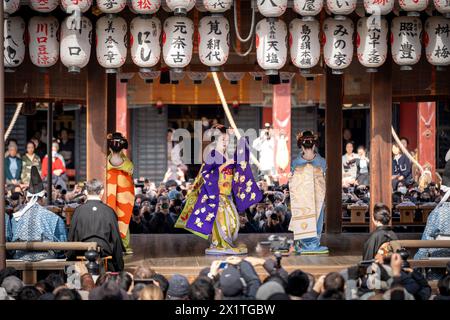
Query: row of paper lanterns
(272, 39)
(268, 8)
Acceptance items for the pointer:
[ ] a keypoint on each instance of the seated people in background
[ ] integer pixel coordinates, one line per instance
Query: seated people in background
(58, 168)
(362, 167)
(41, 147)
(95, 221)
(35, 223)
(401, 167)
(382, 234)
(67, 149)
(13, 165)
(349, 165)
(29, 159)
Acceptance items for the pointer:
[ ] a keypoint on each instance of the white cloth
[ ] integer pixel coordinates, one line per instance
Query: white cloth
(265, 147)
(447, 156)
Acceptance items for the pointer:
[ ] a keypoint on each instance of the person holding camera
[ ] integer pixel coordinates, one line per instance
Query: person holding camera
(275, 220)
(161, 221)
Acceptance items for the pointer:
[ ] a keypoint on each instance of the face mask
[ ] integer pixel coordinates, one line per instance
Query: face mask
(402, 190)
(54, 154)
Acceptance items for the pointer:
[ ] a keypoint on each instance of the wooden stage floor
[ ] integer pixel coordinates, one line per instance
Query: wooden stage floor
(184, 253)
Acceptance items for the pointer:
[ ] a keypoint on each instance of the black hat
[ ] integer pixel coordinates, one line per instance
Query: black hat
(36, 185)
(230, 282)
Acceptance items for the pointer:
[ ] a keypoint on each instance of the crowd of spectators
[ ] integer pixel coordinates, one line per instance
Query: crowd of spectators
(233, 279)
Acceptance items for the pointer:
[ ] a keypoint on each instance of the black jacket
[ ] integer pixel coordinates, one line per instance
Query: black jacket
(95, 221)
(377, 238)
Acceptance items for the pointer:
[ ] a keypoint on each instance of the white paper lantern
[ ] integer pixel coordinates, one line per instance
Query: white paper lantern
(11, 6)
(378, 7)
(304, 43)
(44, 42)
(443, 6)
(197, 77)
(405, 37)
(271, 8)
(149, 77)
(234, 77)
(308, 8)
(76, 44)
(216, 6)
(180, 7)
(145, 44)
(257, 75)
(271, 44)
(14, 43)
(111, 42)
(341, 8)
(371, 41)
(43, 5)
(178, 37)
(413, 6)
(338, 43)
(176, 76)
(145, 6)
(70, 6)
(437, 41)
(214, 38)
(111, 6)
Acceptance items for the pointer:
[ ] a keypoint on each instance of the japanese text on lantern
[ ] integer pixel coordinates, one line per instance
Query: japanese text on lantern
(374, 34)
(42, 39)
(305, 45)
(110, 42)
(213, 44)
(272, 44)
(179, 42)
(340, 44)
(407, 29)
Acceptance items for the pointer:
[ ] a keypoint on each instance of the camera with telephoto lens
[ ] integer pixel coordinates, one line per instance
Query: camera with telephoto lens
(274, 216)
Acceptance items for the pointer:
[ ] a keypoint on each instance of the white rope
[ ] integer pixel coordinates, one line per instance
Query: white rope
(13, 120)
(246, 53)
(236, 29)
(229, 116)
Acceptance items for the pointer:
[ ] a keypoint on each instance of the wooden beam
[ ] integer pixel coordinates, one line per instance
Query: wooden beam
(111, 101)
(333, 146)
(96, 122)
(122, 114)
(380, 137)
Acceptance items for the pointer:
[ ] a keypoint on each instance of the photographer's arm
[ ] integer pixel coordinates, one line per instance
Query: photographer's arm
(251, 278)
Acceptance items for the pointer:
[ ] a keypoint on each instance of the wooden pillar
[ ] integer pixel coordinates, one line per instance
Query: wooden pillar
(408, 123)
(426, 135)
(96, 122)
(111, 101)
(333, 146)
(122, 111)
(380, 137)
(282, 125)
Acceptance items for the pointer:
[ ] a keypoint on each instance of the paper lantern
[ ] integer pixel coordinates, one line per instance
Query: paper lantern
(443, 6)
(144, 41)
(271, 46)
(176, 76)
(145, 6)
(43, 5)
(413, 6)
(180, 7)
(213, 39)
(217, 6)
(405, 41)
(111, 42)
(304, 43)
(11, 6)
(341, 8)
(14, 43)
(378, 7)
(437, 41)
(308, 8)
(338, 43)
(70, 6)
(111, 6)
(149, 77)
(197, 77)
(177, 40)
(76, 44)
(271, 8)
(371, 41)
(233, 77)
(258, 75)
(44, 43)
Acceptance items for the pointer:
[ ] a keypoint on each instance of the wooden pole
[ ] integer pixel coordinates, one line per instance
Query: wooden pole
(381, 137)
(96, 122)
(2, 150)
(333, 146)
(49, 153)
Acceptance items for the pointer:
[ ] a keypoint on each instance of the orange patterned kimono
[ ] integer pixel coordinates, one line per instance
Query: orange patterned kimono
(120, 188)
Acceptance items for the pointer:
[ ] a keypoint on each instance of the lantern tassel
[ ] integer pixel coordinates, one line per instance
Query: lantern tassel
(229, 116)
